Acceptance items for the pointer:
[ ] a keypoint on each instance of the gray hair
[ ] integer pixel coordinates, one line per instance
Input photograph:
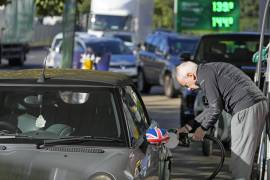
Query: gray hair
(186, 67)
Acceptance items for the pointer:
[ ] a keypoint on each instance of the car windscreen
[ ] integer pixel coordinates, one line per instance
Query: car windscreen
(52, 113)
(237, 50)
(178, 46)
(123, 37)
(112, 47)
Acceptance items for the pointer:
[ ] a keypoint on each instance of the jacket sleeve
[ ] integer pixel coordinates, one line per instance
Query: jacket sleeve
(210, 115)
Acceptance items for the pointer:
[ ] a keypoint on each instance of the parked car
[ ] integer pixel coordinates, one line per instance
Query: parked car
(234, 48)
(122, 58)
(157, 62)
(75, 124)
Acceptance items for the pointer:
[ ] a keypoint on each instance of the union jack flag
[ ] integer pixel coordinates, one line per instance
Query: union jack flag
(157, 136)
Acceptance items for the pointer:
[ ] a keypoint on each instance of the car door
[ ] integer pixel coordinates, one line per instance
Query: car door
(145, 58)
(157, 61)
(161, 60)
(143, 156)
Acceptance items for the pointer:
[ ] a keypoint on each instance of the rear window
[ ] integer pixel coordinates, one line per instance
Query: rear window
(181, 45)
(113, 47)
(236, 50)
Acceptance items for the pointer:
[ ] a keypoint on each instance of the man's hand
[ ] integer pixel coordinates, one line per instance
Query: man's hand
(199, 134)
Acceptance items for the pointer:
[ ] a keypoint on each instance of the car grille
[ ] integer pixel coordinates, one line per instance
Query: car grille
(75, 149)
(122, 66)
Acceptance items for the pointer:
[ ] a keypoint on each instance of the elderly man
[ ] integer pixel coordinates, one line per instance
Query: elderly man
(227, 87)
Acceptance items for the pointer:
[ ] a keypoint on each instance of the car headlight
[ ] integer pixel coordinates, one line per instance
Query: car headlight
(102, 176)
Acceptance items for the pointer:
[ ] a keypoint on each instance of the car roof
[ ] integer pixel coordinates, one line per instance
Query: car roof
(100, 39)
(175, 35)
(74, 76)
(235, 34)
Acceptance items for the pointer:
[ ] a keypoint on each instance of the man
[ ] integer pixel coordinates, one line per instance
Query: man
(227, 87)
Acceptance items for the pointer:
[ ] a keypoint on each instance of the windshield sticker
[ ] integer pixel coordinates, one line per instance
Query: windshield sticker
(40, 121)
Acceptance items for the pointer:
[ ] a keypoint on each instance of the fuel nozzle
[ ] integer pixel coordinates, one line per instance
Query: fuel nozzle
(184, 139)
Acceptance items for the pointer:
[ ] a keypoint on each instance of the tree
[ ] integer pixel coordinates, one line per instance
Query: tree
(163, 14)
(249, 15)
(4, 2)
(84, 6)
(49, 7)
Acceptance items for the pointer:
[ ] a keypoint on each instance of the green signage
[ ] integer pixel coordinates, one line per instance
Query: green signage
(207, 15)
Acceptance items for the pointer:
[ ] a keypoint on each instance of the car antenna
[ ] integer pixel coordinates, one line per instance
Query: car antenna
(42, 77)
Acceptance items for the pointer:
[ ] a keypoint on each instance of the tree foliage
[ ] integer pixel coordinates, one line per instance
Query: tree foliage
(84, 6)
(249, 15)
(49, 7)
(163, 14)
(56, 7)
(4, 2)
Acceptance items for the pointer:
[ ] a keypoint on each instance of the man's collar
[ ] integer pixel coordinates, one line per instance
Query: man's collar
(198, 81)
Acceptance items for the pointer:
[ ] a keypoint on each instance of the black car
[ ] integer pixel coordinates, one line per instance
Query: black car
(233, 48)
(75, 124)
(157, 62)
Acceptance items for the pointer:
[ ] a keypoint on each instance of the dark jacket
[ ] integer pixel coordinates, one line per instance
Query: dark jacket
(225, 87)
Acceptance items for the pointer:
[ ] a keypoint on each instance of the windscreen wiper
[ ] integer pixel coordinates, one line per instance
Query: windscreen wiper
(6, 134)
(76, 140)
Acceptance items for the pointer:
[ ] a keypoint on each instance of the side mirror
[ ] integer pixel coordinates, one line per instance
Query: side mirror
(185, 56)
(157, 136)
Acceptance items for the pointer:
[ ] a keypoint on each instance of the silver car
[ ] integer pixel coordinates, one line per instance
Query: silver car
(75, 124)
(123, 60)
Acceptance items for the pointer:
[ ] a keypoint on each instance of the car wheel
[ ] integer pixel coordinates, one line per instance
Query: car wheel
(169, 88)
(142, 84)
(17, 61)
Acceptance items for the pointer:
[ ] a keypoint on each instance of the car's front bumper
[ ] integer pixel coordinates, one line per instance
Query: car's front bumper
(131, 72)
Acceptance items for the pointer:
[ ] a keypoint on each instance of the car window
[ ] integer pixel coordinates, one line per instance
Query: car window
(127, 38)
(236, 50)
(113, 47)
(149, 44)
(181, 45)
(134, 113)
(155, 42)
(78, 47)
(163, 45)
(46, 112)
(56, 43)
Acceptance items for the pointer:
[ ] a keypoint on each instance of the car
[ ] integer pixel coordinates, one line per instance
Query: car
(122, 58)
(158, 60)
(75, 124)
(126, 37)
(235, 48)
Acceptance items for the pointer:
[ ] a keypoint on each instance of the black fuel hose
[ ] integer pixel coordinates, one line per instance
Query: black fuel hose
(185, 139)
(222, 156)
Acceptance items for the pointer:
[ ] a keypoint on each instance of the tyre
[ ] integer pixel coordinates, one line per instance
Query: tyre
(142, 85)
(16, 61)
(169, 88)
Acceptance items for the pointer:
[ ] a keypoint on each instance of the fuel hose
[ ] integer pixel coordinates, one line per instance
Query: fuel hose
(184, 140)
(222, 156)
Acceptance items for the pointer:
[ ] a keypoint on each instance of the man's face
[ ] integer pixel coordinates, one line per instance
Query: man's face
(189, 81)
